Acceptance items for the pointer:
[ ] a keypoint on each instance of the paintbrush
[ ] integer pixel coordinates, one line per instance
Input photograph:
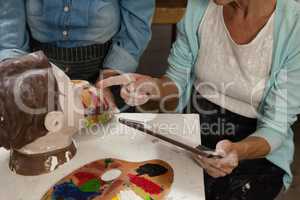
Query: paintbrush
(199, 150)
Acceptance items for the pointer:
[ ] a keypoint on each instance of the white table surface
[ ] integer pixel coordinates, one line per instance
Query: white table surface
(120, 142)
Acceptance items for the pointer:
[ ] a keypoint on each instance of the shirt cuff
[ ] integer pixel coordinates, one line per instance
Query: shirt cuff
(10, 53)
(273, 137)
(119, 59)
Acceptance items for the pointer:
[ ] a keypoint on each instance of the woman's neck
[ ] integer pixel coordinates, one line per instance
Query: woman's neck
(251, 9)
(245, 18)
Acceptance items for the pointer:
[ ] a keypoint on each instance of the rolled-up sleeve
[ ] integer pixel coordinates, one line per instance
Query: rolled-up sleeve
(13, 35)
(282, 105)
(133, 37)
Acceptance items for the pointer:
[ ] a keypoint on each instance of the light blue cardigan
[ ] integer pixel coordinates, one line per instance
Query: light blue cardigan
(281, 101)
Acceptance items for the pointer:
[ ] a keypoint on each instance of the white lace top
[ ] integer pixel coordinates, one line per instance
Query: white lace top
(228, 74)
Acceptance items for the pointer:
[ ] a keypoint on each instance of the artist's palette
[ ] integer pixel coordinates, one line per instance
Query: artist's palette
(112, 179)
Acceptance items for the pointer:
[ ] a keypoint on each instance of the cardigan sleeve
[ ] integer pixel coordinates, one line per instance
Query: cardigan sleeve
(184, 51)
(282, 104)
(180, 59)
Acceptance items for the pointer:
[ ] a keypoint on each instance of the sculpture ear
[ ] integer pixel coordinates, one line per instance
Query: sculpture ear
(55, 121)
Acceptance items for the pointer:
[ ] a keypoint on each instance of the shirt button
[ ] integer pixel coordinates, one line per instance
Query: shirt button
(65, 33)
(66, 8)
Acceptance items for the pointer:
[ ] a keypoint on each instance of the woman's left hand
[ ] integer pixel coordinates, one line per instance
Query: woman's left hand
(220, 167)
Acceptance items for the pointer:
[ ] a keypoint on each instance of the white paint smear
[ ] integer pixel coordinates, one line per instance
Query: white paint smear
(54, 163)
(111, 175)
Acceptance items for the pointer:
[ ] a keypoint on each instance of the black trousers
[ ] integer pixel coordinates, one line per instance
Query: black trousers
(257, 179)
(81, 63)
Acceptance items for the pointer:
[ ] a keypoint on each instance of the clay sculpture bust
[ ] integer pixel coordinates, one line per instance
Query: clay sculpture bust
(40, 111)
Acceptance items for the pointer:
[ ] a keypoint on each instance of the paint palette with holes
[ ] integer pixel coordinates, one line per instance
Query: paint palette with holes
(112, 179)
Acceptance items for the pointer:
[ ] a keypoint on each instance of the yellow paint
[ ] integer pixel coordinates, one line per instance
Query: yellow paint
(115, 198)
(142, 193)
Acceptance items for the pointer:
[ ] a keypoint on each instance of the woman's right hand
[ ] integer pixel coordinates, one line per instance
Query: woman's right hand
(136, 89)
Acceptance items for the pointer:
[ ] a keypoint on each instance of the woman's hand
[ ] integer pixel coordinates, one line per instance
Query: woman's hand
(220, 167)
(106, 96)
(136, 89)
(108, 99)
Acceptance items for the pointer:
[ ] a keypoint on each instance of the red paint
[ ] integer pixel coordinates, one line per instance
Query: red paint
(83, 177)
(145, 184)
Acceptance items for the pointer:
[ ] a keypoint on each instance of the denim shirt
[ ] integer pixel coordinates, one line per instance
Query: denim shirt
(74, 23)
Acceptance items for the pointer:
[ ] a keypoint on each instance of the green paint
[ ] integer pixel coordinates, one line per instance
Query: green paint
(92, 185)
(103, 118)
(108, 162)
(91, 120)
(88, 123)
(148, 198)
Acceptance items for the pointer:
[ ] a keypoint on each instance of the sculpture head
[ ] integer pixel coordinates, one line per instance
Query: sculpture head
(28, 91)
(32, 117)
(40, 111)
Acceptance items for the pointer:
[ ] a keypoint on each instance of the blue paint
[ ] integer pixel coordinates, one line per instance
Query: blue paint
(69, 191)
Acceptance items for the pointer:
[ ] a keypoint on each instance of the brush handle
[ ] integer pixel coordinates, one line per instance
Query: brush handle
(200, 150)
